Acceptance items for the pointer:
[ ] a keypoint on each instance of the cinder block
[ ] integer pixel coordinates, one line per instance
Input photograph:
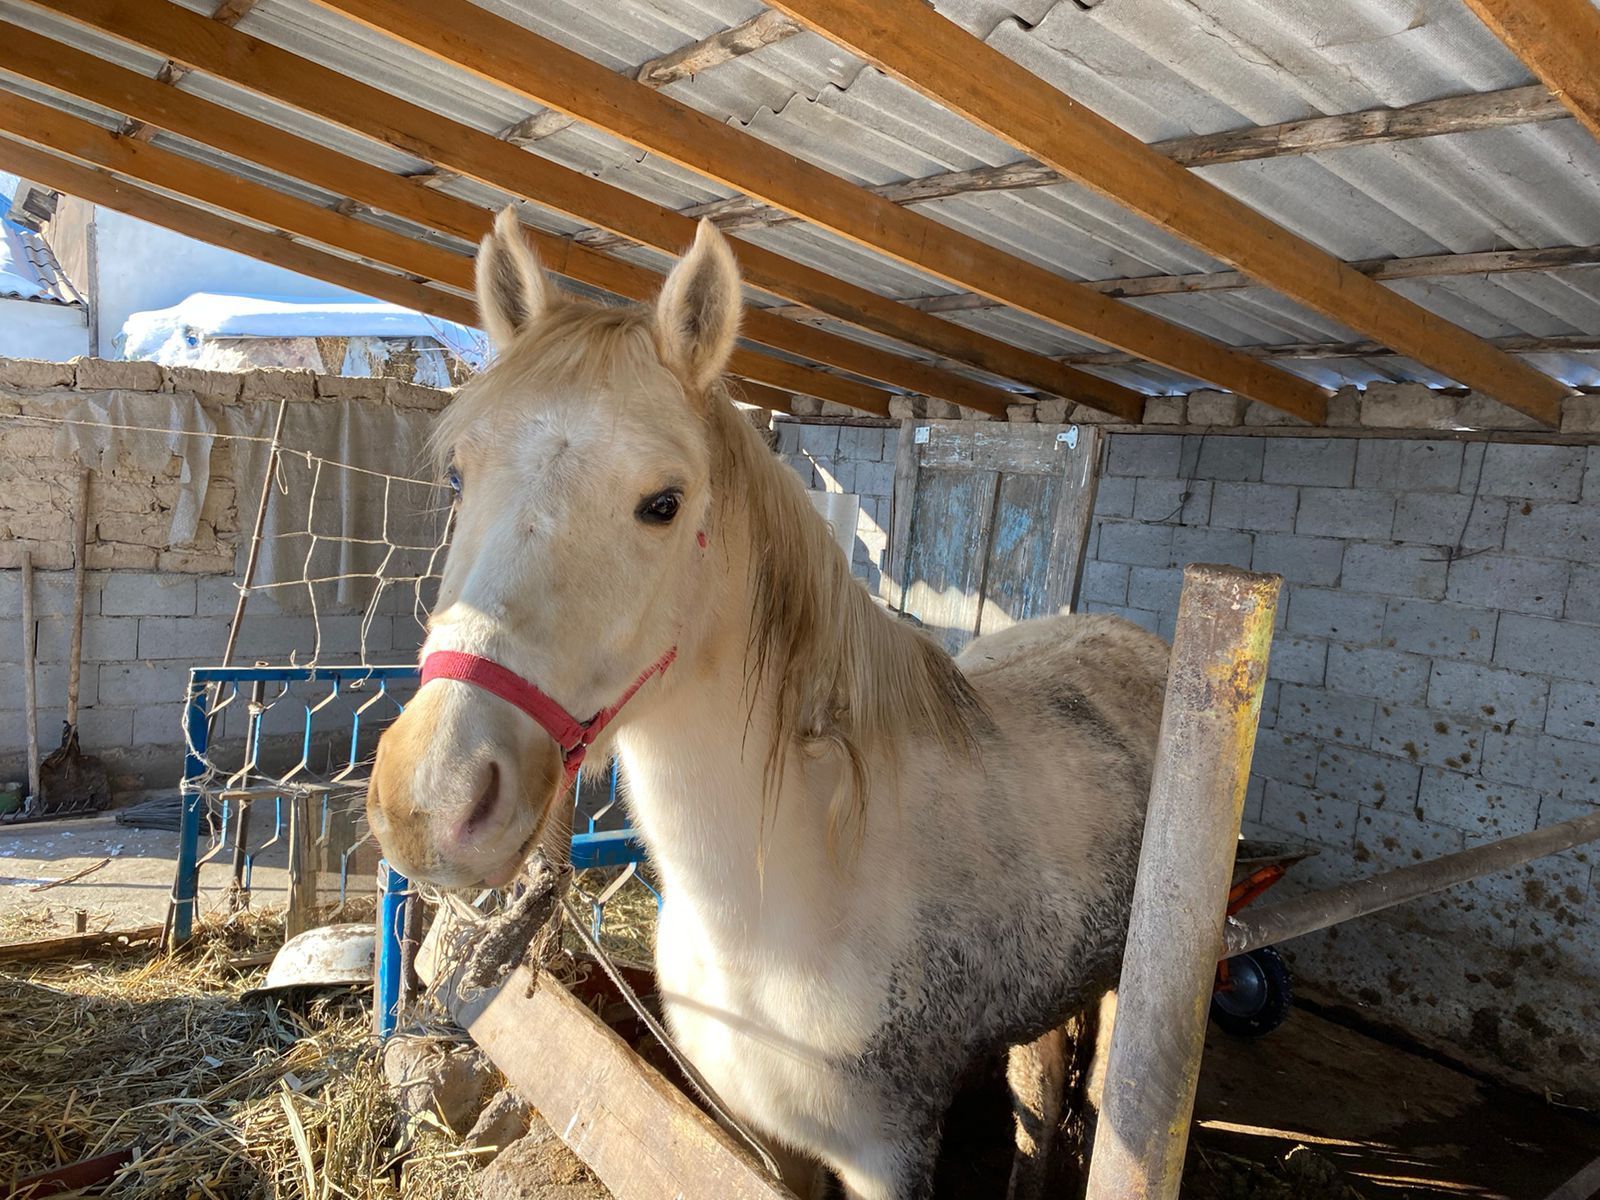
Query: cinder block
(1583, 595)
(350, 387)
(275, 383)
(1304, 814)
(1298, 660)
(1338, 616)
(1505, 698)
(1372, 780)
(1164, 410)
(1477, 805)
(1051, 410)
(159, 725)
(1408, 464)
(875, 478)
(105, 374)
(220, 386)
(50, 679)
(819, 441)
(1387, 838)
(1394, 570)
(1423, 735)
(862, 443)
(801, 465)
(33, 375)
(1225, 459)
(1313, 462)
(1591, 477)
(52, 593)
(1114, 497)
(1286, 757)
(195, 639)
(1387, 675)
(1407, 406)
(829, 476)
(1155, 588)
(1257, 413)
(1564, 649)
(788, 436)
(1192, 544)
(1344, 408)
(1139, 616)
(1440, 629)
(105, 639)
(1268, 507)
(1343, 512)
(1172, 500)
(132, 684)
(1531, 472)
(1299, 559)
(1105, 582)
(810, 406)
(1570, 531)
(1088, 414)
(103, 728)
(1269, 705)
(1554, 809)
(1325, 715)
(139, 594)
(1209, 407)
(1549, 764)
(1020, 414)
(1480, 412)
(1574, 712)
(1135, 544)
(1143, 454)
(1510, 581)
(1450, 519)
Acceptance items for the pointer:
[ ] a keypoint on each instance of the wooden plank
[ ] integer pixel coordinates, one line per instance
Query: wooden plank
(947, 552)
(951, 67)
(643, 1137)
(1564, 343)
(1019, 551)
(75, 72)
(907, 461)
(100, 187)
(1074, 515)
(497, 50)
(1585, 1185)
(227, 53)
(1559, 41)
(78, 944)
(1453, 114)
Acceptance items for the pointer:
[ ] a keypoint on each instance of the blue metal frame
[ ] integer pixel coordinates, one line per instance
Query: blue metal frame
(593, 848)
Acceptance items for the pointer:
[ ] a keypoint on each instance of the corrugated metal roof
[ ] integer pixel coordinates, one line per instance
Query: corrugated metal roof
(1158, 68)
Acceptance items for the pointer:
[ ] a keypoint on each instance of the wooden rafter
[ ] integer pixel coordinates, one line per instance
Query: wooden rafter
(944, 62)
(1284, 351)
(1431, 118)
(1559, 41)
(229, 12)
(493, 48)
(77, 73)
(98, 186)
(227, 53)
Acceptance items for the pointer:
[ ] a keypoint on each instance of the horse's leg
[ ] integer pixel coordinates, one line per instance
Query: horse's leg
(891, 1170)
(1049, 1080)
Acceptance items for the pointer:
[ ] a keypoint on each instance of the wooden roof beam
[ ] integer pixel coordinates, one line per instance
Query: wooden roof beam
(172, 172)
(950, 66)
(1310, 135)
(1564, 343)
(77, 73)
(258, 66)
(1559, 41)
(493, 48)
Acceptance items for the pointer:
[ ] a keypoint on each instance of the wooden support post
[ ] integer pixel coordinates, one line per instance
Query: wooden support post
(1208, 729)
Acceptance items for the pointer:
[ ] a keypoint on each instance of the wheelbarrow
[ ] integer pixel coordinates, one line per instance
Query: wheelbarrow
(1253, 994)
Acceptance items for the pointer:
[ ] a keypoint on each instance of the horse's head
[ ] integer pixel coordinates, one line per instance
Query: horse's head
(583, 469)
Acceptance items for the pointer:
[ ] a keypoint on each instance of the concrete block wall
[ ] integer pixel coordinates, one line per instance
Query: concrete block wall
(152, 608)
(1433, 685)
(856, 458)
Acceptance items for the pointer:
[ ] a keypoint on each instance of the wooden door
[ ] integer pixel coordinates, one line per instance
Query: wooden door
(990, 523)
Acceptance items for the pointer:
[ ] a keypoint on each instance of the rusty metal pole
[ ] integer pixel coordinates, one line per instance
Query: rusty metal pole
(1208, 730)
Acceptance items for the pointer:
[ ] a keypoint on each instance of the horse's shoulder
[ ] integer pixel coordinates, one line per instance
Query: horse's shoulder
(1098, 642)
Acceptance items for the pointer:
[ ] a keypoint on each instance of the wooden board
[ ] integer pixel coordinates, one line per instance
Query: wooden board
(990, 523)
(643, 1137)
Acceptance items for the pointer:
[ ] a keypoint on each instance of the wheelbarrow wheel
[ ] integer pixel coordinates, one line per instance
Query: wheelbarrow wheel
(1256, 997)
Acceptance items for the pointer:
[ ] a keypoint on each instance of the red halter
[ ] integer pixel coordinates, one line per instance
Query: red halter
(572, 735)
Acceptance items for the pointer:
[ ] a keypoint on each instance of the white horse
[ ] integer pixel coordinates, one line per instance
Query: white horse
(880, 866)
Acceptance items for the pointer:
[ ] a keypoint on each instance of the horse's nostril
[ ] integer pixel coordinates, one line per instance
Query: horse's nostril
(482, 814)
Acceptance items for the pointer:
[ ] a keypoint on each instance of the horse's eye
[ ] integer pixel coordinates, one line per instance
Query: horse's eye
(453, 478)
(660, 508)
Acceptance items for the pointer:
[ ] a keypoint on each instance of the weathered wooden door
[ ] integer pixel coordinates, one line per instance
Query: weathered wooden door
(990, 523)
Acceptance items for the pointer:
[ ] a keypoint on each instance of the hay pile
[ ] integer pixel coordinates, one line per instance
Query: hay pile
(219, 1095)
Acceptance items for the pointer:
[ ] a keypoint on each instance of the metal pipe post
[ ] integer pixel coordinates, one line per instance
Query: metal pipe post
(1202, 766)
(1307, 914)
(186, 883)
(389, 961)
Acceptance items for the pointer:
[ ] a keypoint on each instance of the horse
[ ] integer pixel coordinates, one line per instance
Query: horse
(880, 865)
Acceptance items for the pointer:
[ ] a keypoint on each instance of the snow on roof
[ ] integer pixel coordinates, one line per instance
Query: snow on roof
(163, 334)
(26, 272)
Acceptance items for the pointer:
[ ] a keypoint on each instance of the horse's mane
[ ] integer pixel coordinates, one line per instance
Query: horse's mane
(847, 677)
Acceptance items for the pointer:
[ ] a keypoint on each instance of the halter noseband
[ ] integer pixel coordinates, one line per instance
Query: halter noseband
(572, 735)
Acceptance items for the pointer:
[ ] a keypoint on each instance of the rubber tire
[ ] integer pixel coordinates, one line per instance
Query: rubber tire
(1274, 1005)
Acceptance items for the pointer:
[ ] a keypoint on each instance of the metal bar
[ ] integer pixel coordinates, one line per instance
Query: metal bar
(1202, 766)
(610, 848)
(1307, 914)
(390, 958)
(302, 674)
(186, 885)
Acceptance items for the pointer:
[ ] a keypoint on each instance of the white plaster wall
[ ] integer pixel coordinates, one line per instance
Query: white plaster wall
(50, 331)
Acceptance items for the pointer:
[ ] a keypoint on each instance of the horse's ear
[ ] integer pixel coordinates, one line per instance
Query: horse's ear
(697, 316)
(512, 289)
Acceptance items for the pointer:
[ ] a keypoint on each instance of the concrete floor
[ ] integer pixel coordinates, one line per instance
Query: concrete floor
(129, 891)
